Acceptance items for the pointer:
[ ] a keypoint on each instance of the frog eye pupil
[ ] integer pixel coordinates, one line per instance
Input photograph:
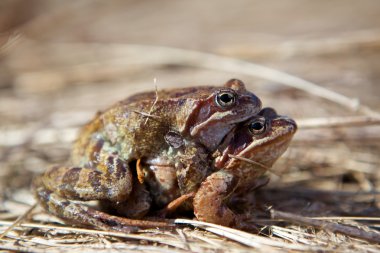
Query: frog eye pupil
(257, 127)
(224, 99)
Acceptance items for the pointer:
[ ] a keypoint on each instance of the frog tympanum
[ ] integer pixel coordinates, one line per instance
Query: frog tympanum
(120, 157)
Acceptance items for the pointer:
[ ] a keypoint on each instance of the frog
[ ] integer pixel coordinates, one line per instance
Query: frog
(246, 154)
(178, 128)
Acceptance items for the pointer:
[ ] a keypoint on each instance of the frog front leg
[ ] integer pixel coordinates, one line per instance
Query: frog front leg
(210, 201)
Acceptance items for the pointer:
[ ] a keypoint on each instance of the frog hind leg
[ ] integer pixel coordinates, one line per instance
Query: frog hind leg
(59, 186)
(210, 201)
(110, 179)
(78, 213)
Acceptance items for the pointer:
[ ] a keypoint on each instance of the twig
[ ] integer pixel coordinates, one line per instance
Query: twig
(294, 235)
(242, 237)
(266, 168)
(147, 115)
(13, 39)
(346, 42)
(328, 135)
(326, 225)
(14, 248)
(18, 221)
(325, 195)
(351, 121)
(65, 229)
(197, 234)
(154, 103)
(347, 218)
(158, 55)
(248, 161)
(183, 239)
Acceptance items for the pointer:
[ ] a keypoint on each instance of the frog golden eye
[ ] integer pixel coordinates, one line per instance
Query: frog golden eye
(225, 98)
(257, 126)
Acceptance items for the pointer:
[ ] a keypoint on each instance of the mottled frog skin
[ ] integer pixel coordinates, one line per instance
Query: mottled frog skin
(177, 129)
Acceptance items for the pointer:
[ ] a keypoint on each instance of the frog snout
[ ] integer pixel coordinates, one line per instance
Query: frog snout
(287, 124)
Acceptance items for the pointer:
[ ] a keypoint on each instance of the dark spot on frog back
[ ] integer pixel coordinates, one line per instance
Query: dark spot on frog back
(181, 102)
(96, 148)
(116, 166)
(174, 139)
(94, 179)
(71, 176)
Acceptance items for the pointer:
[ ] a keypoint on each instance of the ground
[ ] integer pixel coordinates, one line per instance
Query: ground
(60, 62)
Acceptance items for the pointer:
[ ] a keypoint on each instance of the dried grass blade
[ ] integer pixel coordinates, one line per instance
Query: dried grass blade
(353, 121)
(370, 236)
(18, 221)
(245, 238)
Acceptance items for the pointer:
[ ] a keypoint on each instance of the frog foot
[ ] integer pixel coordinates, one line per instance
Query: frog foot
(210, 201)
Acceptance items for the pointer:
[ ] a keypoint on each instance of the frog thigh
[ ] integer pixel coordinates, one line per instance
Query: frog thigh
(210, 200)
(81, 183)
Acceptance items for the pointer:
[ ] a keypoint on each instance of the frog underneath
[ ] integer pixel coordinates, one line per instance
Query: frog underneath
(248, 152)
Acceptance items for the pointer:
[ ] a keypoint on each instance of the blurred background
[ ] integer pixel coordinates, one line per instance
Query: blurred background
(61, 61)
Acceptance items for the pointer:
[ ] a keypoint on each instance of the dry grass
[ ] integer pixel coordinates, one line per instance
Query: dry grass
(33, 232)
(324, 193)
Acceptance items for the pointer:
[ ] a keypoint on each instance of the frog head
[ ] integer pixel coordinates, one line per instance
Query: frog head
(218, 110)
(258, 142)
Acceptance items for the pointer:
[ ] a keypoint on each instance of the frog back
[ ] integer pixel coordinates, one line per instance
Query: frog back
(132, 129)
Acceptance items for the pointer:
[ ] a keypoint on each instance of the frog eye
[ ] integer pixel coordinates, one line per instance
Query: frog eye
(225, 98)
(257, 126)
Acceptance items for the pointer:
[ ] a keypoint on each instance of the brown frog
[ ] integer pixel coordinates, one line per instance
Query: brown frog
(246, 154)
(176, 128)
